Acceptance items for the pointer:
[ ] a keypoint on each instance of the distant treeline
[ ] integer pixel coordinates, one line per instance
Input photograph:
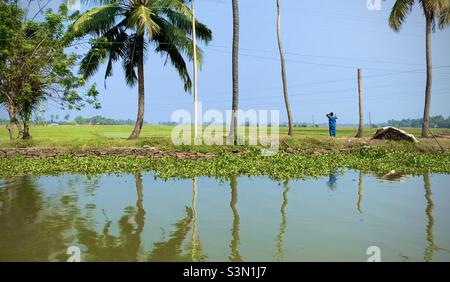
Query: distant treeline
(435, 121)
(99, 120)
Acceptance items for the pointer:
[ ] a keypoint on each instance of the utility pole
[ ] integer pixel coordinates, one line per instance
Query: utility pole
(314, 122)
(370, 120)
(359, 134)
(194, 42)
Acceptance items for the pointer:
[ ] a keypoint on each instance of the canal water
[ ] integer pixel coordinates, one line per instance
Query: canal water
(347, 216)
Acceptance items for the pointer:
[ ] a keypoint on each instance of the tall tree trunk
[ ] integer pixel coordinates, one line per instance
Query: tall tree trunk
(141, 89)
(26, 126)
(13, 121)
(235, 65)
(426, 112)
(10, 125)
(19, 128)
(26, 130)
(359, 134)
(283, 73)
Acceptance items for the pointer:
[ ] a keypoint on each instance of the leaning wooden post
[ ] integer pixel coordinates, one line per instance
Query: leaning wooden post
(359, 134)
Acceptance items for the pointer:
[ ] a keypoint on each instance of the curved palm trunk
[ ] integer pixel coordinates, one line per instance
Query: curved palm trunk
(235, 54)
(141, 90)
(283, 73)
(426, 112)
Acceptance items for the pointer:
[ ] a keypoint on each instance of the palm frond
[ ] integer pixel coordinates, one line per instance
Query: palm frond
(399, 12)
(177, 60)
(98, 20)
(130, 58)
(141, 20)
(99, 2)
(444, 19)
(172, 42)
(116, 50)
(94, 57)
(184, 23)
(435, 7)
(166, 23)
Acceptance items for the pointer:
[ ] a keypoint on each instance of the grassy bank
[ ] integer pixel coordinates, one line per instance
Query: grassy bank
(309, 153)
(247, 162)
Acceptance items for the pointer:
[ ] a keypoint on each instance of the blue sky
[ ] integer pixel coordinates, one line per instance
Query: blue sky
(325, 42)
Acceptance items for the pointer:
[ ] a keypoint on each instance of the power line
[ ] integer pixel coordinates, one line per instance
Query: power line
(321, 56)
(313, 63)
(321, 99)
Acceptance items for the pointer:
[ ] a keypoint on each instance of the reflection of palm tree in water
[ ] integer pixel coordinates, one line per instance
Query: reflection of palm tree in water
(139, 217)
(360, 192)
(126, 246)
(171, 250)
(431, 248)
(235, 255)
(283, 225)
(34, 226)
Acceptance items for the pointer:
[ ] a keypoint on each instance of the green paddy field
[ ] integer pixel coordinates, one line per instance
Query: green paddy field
(98, 136)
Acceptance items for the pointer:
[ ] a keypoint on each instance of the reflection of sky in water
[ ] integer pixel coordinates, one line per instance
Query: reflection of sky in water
(263, 220)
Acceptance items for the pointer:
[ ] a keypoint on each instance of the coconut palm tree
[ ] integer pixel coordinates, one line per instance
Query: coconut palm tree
(435, 11)
(235, 65)
(283, 73)
(125, 29)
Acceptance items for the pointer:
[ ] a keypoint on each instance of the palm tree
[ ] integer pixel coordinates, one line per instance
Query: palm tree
(235, 65)
(125, 29)
(283, 73)
(434, 11)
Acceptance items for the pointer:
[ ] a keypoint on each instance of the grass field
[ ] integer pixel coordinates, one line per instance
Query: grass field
(99, 136)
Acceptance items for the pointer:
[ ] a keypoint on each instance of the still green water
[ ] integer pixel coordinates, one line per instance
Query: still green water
(140, 218)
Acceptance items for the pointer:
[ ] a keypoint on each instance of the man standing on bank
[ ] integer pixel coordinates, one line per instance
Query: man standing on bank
(332, 123)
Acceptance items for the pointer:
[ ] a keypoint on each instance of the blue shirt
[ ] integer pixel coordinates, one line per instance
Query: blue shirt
(332, 121)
